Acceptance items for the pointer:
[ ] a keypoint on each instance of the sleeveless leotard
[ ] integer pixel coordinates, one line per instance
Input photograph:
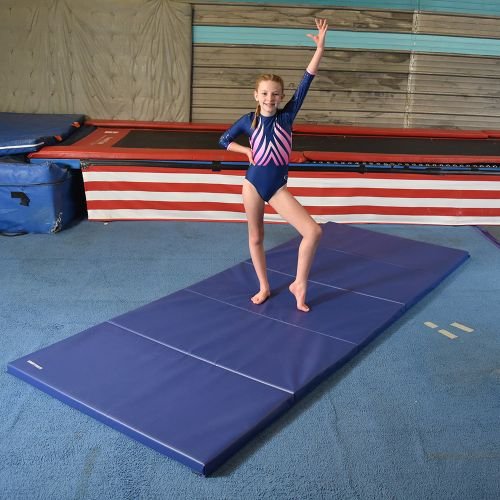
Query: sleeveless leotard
(271, 142)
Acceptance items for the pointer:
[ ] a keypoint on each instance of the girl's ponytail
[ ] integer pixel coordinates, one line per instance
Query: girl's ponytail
(256, 116)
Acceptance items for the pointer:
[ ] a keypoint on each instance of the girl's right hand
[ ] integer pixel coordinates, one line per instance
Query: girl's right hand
(245, 150)
(250, 156)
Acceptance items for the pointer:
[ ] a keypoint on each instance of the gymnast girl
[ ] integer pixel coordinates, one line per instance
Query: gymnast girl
(270, 135)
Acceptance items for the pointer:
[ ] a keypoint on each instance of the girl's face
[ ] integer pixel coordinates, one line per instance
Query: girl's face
(268, 95)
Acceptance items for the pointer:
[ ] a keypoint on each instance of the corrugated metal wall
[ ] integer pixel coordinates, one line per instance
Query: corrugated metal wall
(400, 68)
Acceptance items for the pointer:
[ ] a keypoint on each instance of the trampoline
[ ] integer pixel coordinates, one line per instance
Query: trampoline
(196, 374)
(147, 170)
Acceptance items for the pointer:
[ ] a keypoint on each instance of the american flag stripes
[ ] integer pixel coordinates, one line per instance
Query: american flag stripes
(139, 192)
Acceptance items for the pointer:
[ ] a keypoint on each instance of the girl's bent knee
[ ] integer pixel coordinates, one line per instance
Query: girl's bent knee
(256, 238)
(315, 232)
(319, 231)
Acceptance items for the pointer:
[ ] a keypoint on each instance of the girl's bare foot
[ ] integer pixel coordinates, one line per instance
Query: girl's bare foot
(299, 291)
(261, 296)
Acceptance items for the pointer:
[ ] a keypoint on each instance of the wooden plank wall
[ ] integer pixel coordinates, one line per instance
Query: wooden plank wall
(453, 90)
(363, 87)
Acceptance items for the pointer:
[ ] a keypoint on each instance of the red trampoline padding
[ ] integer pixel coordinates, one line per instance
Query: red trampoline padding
(333, 156)
(214, 127)
(389, 132)
(493, 134)
(162, 141)
(102, 143)
(304, 128)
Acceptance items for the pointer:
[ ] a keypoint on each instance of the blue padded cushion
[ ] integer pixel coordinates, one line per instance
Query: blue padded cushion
(22, 133)
(35, 198)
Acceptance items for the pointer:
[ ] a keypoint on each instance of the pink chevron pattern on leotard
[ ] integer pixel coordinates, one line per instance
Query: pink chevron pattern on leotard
(274, 150)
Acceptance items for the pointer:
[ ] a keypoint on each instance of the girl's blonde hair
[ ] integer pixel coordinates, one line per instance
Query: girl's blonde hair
(265, 78)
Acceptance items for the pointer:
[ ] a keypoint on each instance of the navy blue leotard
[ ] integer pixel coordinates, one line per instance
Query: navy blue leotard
(271, 142)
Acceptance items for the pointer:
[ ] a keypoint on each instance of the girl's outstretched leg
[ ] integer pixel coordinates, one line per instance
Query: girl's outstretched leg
(296, 215)
(254, 208)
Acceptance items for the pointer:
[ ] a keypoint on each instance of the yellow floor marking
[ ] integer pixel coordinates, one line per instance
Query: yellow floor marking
(448, 334)
(430, 324)
(462, 327)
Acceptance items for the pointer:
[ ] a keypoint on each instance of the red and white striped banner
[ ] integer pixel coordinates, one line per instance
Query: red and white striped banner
(163, 193)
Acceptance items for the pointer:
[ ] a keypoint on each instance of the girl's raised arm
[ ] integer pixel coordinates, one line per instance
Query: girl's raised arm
(319, 40)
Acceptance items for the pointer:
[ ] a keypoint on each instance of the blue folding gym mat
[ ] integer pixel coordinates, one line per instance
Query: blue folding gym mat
(197, 373)
(22, 133)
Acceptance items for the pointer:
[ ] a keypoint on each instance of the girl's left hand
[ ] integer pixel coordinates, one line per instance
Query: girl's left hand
(322, 26)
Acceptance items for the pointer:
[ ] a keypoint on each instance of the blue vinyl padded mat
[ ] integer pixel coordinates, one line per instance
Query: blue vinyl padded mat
(197, 373)
(22, 133)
